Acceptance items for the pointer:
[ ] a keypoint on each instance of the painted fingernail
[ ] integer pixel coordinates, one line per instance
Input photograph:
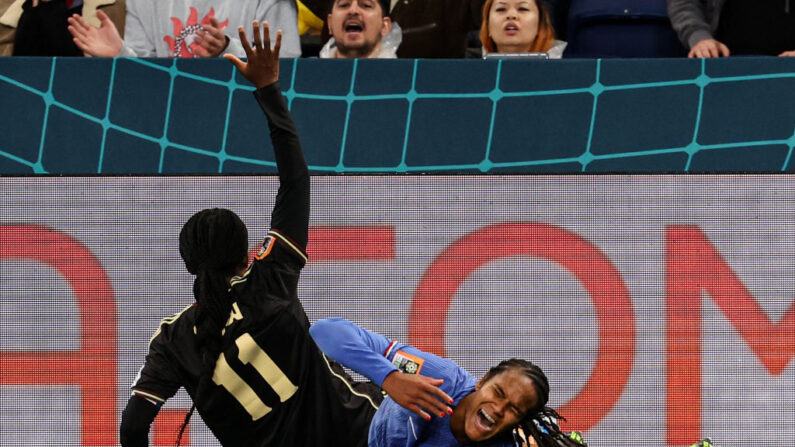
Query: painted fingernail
(449, 411)
(427, 418)
(441, 415)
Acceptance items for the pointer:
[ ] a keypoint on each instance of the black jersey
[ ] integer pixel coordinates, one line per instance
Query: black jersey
(271, 385)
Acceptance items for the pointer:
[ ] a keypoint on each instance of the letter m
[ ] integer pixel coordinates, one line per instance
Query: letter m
(694, 265)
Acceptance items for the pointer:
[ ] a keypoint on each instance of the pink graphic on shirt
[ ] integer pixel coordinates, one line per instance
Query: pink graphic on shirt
(182, 43)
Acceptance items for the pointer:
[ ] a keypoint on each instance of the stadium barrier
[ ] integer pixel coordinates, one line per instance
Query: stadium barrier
(660, 306)
(148, 116)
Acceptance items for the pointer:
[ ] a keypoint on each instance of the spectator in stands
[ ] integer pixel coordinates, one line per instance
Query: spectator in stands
(39, 27)
(519, 26)
(430, 28)
(8, 25)
(361, 29)
(714, 28)
(189, 28)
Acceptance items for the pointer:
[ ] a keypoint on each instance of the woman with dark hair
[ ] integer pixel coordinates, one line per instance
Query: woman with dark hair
(242, 351)
(519, 26)
(507, 407)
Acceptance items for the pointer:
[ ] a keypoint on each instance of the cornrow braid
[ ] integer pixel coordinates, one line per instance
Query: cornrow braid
(546, 431)
(213, 243)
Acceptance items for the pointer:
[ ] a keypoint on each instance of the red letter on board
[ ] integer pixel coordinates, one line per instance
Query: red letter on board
(93, 367)
(693, 265)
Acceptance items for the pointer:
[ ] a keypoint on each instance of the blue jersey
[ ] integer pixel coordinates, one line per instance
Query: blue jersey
(375, 356)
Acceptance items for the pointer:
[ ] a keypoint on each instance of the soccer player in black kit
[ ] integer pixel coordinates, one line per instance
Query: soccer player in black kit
(243, 351)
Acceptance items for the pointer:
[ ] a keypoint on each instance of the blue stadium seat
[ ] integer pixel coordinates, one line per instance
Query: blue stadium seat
(621, 28)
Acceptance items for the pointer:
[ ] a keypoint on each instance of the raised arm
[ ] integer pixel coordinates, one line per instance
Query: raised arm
(290, 215)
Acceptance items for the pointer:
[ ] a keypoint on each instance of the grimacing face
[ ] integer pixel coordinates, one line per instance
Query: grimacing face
(499, 403)
(513, 25)
(357, 27)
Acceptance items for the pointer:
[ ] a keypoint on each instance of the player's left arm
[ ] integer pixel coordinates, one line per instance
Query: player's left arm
(136, 419)
(290, 216)
(155, 383)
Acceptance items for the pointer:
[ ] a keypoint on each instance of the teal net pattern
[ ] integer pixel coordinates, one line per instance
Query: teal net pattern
(131, 116)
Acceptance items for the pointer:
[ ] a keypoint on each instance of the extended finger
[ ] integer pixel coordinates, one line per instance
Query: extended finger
(433, 387)
(75, 31)
(103, 17)
(241, 32)
(77, 22)
(443, 397)
(257, 36)
(420, 412)
(278, 46)
(235, 61)
(433, 405)
(266, 35)
(435, 398)
(81, 43)
(207, 47)
(207, 41)
(82, 21)
(215, 31)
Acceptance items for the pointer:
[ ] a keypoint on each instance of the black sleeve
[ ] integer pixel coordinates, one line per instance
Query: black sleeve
(136, 419)
(291, 211)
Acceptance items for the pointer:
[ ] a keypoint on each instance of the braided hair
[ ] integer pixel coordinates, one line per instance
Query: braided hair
(539, 422)
(213, 243)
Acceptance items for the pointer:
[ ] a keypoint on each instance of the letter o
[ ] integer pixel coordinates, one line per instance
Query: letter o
(602, 281)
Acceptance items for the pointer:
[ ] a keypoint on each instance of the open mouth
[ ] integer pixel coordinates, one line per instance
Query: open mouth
(511, 29)
(485, 421)
(353, 26)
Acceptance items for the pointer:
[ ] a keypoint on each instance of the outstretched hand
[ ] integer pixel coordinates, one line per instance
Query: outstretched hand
(417, 393)
(262, 65)
(104, 41)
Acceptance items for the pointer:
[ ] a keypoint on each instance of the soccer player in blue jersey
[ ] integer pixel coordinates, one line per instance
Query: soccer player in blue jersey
(509, 400)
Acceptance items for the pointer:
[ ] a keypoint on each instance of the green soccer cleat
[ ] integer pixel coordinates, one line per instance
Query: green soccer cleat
(575, 436)
(706, 442)
(572, 438)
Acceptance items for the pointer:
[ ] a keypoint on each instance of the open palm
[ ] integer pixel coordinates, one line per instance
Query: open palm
(104, 41)
(262, 63)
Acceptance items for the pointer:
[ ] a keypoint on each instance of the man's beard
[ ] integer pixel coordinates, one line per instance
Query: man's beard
(363, 50)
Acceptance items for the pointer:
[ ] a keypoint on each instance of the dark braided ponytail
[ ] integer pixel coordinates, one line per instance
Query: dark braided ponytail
(540, 421)
(213, 244)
